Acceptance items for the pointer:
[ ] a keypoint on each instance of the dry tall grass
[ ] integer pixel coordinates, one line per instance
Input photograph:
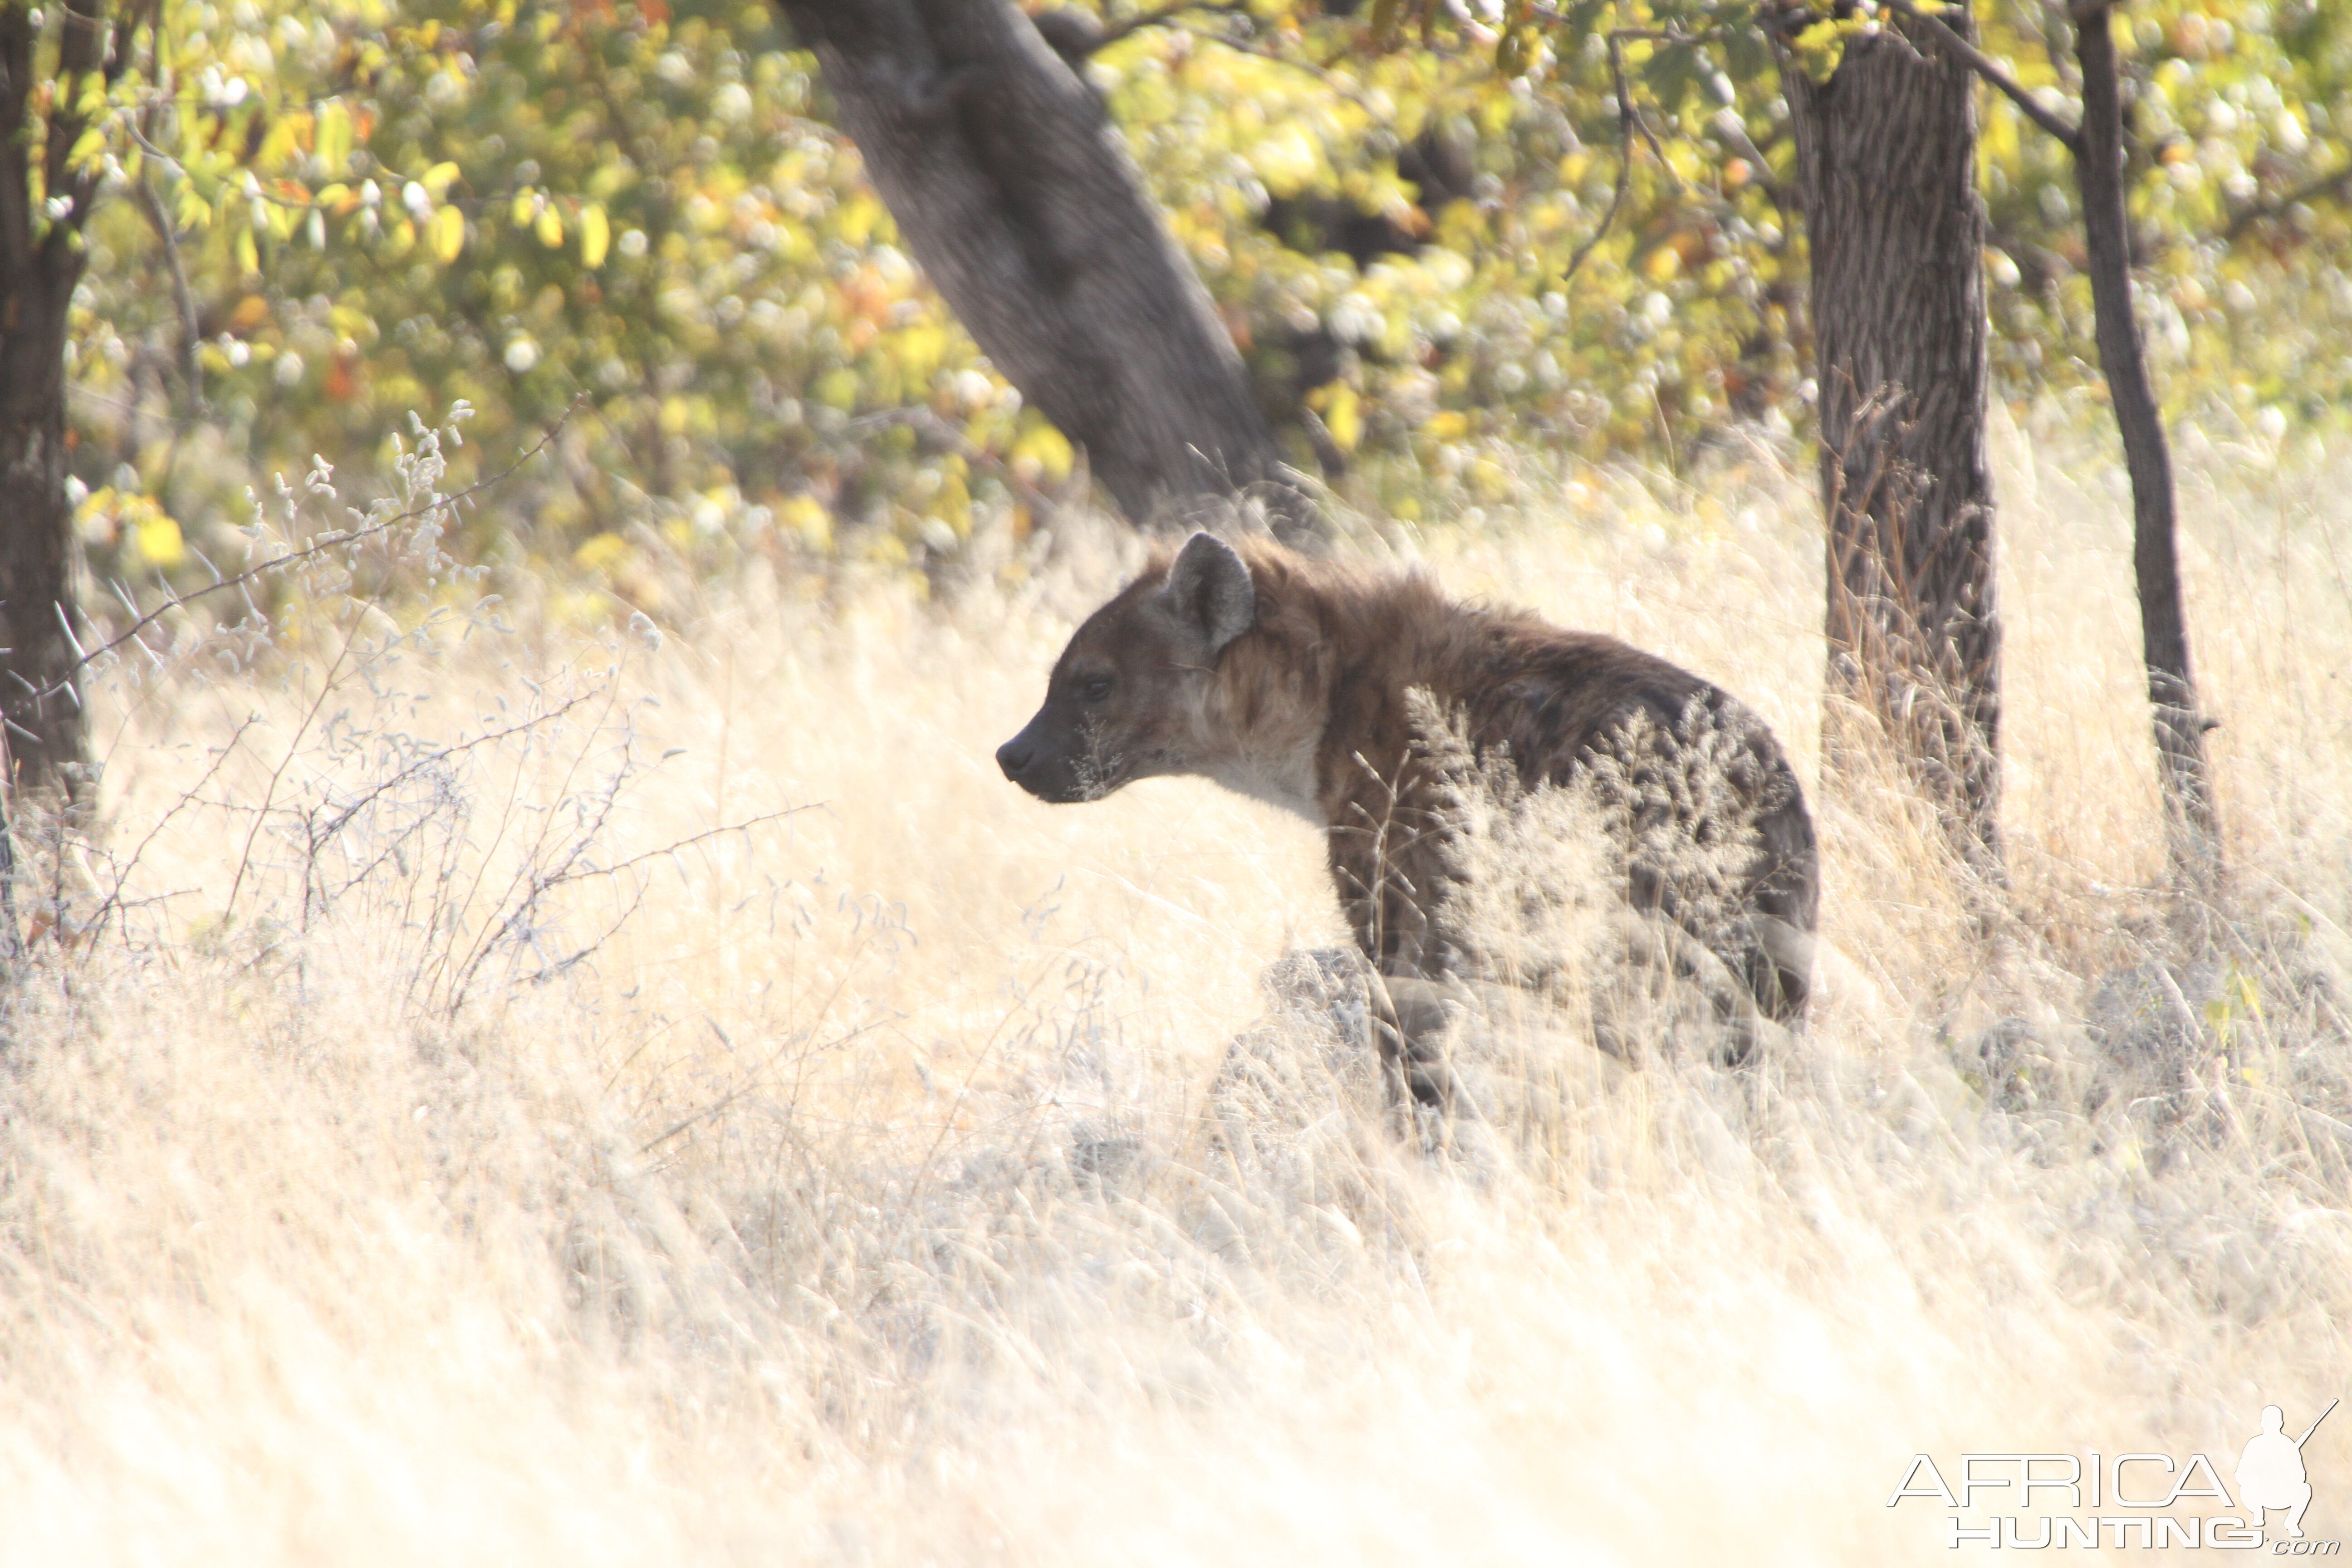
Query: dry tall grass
(422, 1161)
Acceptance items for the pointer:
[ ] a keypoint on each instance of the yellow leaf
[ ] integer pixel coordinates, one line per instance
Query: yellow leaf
(447, 233)
(920, 350)
(1819, 47)
(550, 228)
(281, 141)
(1043, 449)
(330, 143)
(602, 552)
(855, 218)
(526, 203)
(595, 235)
(806, 516)
(439, 178)
(2247, 995)
(158, 537)
(1345, 418)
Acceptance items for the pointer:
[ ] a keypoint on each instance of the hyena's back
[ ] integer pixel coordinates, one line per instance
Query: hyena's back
(1695, 795)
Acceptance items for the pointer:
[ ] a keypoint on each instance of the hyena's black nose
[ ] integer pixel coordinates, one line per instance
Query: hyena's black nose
(1014, 757)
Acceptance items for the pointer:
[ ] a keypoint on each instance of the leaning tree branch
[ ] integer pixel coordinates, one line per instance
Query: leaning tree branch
(1987, 68)
(167, 234)
(1625, 104)
(1158, 18)
(2193, 834)
(1626, 121)
(2338, 183)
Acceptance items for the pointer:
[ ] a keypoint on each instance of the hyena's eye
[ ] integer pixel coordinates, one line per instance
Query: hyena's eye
(1095, 689)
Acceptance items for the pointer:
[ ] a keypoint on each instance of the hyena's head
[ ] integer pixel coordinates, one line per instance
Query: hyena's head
(1126, 697)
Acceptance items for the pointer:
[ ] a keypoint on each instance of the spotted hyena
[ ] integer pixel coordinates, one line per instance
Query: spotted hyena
(1393, 718)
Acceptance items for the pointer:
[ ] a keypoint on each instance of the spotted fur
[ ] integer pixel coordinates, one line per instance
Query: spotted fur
(1378, 708)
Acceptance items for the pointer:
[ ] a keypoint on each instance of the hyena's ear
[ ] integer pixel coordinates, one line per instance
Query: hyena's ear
(1209, 590)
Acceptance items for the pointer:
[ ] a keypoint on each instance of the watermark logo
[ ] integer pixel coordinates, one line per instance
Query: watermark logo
(2130, 1500)
(2271, 1473)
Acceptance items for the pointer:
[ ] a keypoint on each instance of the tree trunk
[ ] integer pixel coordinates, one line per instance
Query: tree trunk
(39, 700)
(2193, 829)
(1885, 151)
(40, 263)
(1014, 191)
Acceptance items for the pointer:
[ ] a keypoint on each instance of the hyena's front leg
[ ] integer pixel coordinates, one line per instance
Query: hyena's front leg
(1413, 1020)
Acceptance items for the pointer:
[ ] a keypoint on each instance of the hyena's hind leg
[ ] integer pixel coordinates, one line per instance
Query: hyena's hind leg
(1637, 999)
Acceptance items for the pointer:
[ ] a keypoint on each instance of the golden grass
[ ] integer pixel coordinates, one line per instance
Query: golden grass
(846, 1188)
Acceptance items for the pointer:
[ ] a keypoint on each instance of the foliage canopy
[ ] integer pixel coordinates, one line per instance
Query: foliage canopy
(1445, 241)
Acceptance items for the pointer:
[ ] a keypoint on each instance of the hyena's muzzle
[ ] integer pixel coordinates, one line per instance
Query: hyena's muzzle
(1051, 759)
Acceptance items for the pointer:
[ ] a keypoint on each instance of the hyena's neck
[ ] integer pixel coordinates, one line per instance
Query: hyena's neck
(1315, 703)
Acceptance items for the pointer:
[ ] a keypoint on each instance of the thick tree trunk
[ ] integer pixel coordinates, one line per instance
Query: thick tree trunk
(47, 741)
(1885, 152)
(1014, 191)
(2193, 829)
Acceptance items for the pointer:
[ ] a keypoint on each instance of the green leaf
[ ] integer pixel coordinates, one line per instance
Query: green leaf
(1512, 53)
(1671, 73)
(1582, 20)
(1748, 57)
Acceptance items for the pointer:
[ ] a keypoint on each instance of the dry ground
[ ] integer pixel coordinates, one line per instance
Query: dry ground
(452, 1147)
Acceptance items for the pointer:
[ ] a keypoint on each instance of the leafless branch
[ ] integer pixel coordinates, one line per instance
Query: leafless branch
(191, 369)
(583, 873)
(338, 539)
(115, 903)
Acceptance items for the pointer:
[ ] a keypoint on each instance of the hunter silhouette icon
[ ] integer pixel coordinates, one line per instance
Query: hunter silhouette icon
(2271, 1474)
